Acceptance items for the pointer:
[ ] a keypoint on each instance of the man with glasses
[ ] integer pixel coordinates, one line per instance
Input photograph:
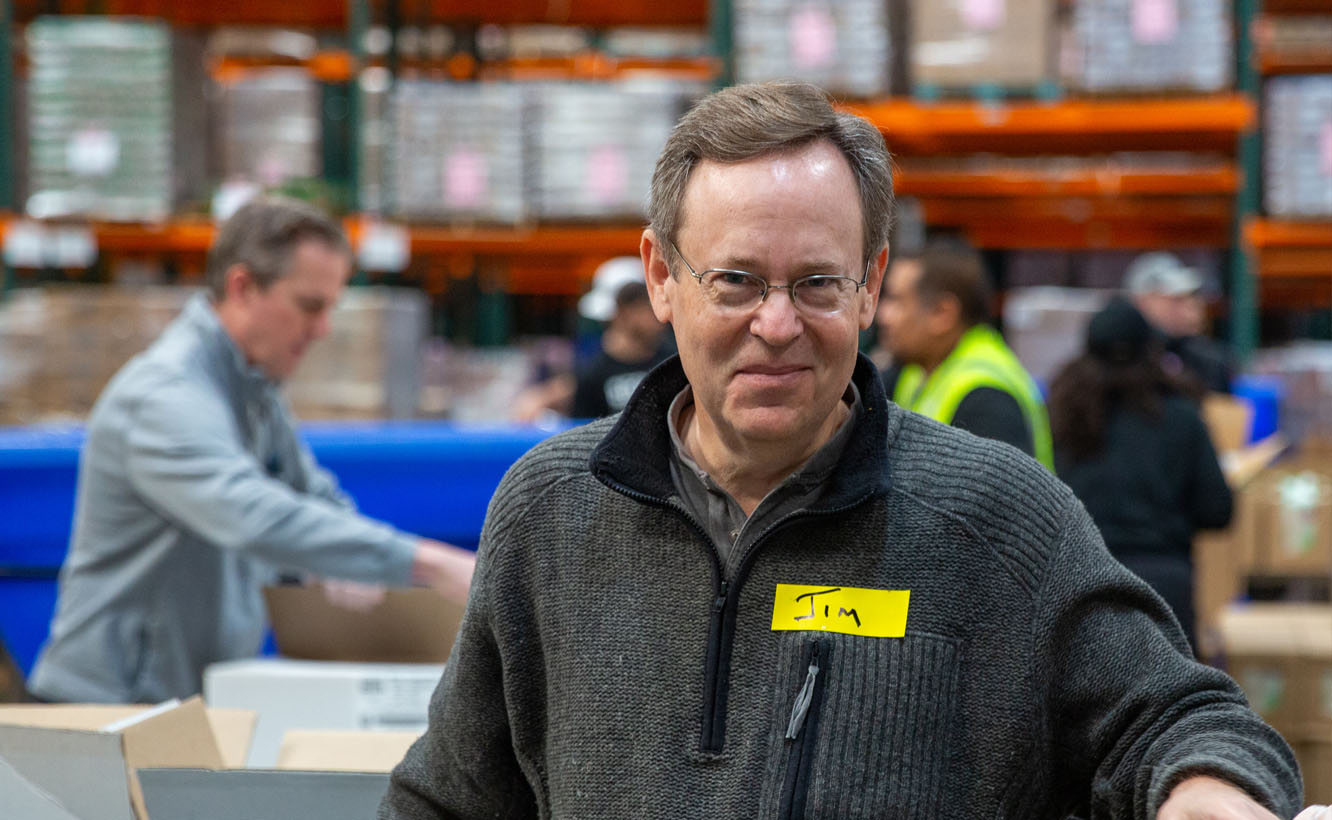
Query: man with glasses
(763, 590)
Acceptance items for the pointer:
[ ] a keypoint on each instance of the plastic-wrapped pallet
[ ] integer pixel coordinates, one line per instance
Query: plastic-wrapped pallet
(1297, 144)
(270, 126)
(1046, 326)
(594, 145)
(100, 118)
(457, 151)
(376, 140)
(843, 45)
(1150, 45)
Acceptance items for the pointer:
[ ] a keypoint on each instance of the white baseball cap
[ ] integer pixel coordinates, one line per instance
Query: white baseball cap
(598, 304)
(1161, 272)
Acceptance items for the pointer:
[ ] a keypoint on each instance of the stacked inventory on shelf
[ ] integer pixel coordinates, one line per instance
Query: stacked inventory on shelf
(846, 46)
(454, 151)
(99, 121)
(270, 126)
(59, 346)
(973, 44)
(594, 145)
(1150, 45)
(1297, 157)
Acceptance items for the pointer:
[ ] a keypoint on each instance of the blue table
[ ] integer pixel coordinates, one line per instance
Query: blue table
(429, 478)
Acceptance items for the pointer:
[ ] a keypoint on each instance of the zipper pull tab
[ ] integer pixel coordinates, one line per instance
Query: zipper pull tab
(719, 603)
(803, 697)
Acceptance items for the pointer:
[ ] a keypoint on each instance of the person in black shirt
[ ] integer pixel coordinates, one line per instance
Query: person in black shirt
(1130, 442)
(634, 342)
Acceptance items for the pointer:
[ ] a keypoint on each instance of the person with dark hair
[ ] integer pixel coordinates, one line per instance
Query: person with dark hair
(633, 342)
(764, 590)
(195, 490)
(948, 363)
(1130, 442)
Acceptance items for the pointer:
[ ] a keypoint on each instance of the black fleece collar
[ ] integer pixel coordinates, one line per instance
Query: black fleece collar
(635, 455)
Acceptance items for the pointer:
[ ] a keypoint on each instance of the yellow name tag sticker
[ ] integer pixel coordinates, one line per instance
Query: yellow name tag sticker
(874, 613)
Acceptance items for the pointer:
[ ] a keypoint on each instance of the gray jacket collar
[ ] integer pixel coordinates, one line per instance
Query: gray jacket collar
(222, 351)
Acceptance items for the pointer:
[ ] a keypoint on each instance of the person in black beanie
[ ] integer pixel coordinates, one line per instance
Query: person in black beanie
(1131, 444)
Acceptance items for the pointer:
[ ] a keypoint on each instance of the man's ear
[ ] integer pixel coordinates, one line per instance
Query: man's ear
(878, 268)
(238, 284)
(657, 269)
(945, 314)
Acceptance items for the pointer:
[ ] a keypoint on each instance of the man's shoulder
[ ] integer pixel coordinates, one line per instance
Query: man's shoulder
(999, 490)
(564, 454)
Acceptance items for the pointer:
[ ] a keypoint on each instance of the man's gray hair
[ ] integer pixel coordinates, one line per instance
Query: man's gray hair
(748, 121)
(262, 235)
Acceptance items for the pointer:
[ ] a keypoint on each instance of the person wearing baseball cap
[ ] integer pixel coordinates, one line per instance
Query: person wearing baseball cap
(1170, 295)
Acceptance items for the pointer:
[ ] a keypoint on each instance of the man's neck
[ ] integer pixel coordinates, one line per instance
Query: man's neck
(748, 471)
(940, 352)
(625, 346)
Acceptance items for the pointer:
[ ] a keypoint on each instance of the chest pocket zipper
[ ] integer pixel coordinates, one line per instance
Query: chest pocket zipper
(802, 732)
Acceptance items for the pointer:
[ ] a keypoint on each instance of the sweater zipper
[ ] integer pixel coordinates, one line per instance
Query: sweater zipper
(802, 732)
(726, 592)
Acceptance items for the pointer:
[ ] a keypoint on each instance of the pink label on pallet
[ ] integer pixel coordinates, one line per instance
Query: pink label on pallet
(983, 15)
(812, 33)
(1155, 21)
(607, 174)
(1326, 143)
(466, 179)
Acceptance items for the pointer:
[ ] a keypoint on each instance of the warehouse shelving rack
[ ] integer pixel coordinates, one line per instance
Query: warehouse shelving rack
(1208, 204)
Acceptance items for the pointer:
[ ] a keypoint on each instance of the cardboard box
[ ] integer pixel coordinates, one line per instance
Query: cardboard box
(261, 795)
(328, 751)
(1313, 749)
(1004, 42)
(24, 799)
(1281, 655)
(411, 625)
(1293, 523)
(85, 757)
(300, 694)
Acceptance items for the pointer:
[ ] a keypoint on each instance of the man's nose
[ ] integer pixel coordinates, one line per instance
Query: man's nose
(776, 320)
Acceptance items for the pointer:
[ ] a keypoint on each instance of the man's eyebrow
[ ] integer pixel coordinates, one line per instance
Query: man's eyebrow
(752, 265)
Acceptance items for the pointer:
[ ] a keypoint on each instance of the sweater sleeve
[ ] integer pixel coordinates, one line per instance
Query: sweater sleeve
(1127, 708)
(464, 765)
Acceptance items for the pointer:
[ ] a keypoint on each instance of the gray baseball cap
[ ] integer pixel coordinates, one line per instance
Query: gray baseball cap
(1161, 272)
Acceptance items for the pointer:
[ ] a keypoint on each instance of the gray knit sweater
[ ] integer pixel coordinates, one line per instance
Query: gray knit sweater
(605, 669)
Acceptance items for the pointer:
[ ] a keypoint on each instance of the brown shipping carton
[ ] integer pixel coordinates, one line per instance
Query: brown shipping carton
(1314, 752)
(999, 42)
(343, 751)
(1281, 655)
(411, 625)
(1293, 523)
(87, 756)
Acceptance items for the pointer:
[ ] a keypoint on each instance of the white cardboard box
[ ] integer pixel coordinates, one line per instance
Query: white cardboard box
(295, 694)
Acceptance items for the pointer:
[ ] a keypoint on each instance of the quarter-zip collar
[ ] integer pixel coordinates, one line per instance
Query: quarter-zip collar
(636, 453)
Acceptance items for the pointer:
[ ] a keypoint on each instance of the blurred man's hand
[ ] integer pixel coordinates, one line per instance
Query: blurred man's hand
(353, 595)
(446, 568)
(1206, 798)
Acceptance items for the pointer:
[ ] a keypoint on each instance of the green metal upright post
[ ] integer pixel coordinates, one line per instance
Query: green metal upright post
(720, 26)
(358, 23)
(1243, 285)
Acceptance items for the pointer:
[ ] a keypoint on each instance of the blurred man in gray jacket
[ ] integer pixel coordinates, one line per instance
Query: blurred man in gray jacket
(194, 489)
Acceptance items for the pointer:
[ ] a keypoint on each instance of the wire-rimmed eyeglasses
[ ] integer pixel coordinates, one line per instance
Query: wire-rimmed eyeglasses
(740, 291)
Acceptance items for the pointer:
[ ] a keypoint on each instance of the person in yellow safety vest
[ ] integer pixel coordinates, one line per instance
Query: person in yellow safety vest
(948, 363)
